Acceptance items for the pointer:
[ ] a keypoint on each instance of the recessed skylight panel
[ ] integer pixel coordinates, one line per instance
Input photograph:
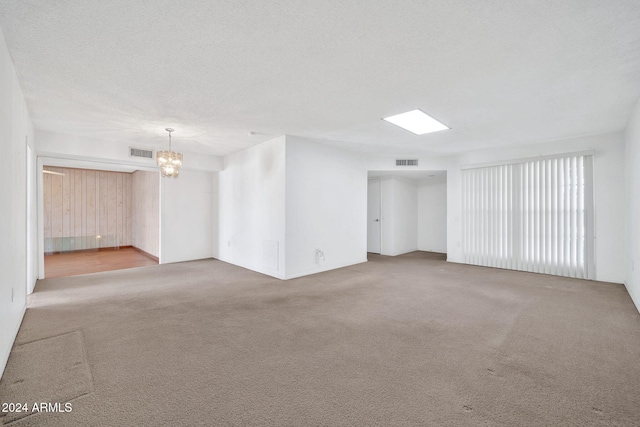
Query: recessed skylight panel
(417, 122)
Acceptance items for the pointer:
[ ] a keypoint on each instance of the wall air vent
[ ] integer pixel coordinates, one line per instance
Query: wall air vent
(139, 152)
(406, 162)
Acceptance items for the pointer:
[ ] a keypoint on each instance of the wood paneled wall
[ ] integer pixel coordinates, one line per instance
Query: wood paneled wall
(146, 212)
(84, 204)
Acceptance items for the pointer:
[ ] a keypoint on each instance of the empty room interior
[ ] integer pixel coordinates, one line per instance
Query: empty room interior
(310, 213)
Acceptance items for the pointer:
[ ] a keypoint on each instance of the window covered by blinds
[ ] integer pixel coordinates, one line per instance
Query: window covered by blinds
(534, 215)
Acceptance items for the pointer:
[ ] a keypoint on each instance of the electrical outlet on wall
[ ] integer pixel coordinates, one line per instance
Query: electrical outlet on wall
(319, 255)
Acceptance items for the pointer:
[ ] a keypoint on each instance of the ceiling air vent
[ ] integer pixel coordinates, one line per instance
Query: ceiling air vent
(405, 162)
(139, 152)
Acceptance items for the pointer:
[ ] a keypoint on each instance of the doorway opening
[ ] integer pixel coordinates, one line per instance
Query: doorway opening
(406, 212)
(98, 220)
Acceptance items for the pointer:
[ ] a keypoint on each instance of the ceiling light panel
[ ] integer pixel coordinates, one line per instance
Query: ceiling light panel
(417, 122)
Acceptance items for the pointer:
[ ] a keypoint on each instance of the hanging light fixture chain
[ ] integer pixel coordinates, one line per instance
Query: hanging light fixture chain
(169, 130)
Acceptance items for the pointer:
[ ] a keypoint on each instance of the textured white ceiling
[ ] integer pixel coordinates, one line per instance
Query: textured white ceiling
(497, 72)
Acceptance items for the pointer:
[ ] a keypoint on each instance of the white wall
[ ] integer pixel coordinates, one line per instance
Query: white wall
(32, 217)
(398, 215)
(215, 214)
(145, 211)
(15, 130)
(251, 208)
(57, 145)
(609, 189)
(633, 206)
(186, 216)
(388, 165)
(326, 207)
(432, 214)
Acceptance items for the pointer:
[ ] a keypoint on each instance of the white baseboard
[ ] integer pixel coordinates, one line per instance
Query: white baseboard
(272, 274)
(636, 300)
(7, 351)
(305, 273)
(408, 251)
(435, 251)
(325, 268)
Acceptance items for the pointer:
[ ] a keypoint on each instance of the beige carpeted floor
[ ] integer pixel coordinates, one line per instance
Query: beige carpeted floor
(408, 340)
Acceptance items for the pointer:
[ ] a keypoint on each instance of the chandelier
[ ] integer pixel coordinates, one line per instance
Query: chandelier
(170, 162)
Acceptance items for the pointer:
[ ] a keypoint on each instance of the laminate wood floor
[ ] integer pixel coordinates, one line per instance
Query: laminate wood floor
(75, 263)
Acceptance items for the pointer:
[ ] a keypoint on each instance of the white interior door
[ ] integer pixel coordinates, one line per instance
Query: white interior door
(373, 216)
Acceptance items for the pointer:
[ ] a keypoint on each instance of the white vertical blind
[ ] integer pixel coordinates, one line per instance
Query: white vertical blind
(532, 215)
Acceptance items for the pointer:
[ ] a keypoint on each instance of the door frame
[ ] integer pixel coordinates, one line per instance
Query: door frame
(379, 216)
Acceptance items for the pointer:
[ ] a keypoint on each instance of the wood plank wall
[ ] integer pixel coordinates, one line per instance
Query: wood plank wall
(84, 204)
(146, 212)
